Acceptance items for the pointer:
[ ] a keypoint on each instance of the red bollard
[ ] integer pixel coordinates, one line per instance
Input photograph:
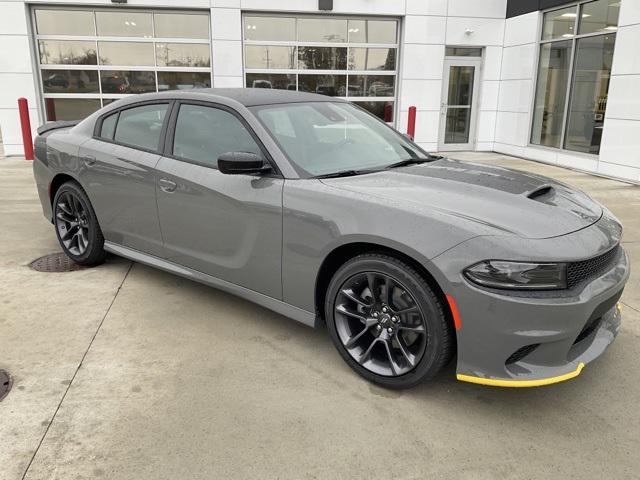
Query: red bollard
(25, 124)
(411, 124)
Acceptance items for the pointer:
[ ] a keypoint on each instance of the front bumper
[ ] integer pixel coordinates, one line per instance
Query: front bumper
(526, 340)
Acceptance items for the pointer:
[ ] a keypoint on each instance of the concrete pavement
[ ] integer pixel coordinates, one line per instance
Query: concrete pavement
(125, 372)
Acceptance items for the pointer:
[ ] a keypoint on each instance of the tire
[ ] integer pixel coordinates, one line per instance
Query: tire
(77, 226)
(376, 306)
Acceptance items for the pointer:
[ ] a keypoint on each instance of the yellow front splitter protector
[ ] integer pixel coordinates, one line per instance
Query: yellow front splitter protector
(494, 382)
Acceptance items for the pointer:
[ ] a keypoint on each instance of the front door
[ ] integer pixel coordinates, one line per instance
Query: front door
(227, 226)
(458, 112)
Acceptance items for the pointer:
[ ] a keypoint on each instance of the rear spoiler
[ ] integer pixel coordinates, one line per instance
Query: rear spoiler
(47, 127)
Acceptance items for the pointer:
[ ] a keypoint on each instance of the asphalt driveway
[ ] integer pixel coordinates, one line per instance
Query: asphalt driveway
(125, 372)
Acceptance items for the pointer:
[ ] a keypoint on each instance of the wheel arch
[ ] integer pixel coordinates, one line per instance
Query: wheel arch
(57, 181)
(341, 254)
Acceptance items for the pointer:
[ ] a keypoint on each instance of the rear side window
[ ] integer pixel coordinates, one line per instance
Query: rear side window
(141, 126)
(205, 133)
(108, 126)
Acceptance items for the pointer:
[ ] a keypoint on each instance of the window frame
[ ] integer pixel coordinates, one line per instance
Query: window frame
(571, 76)
(167, 148)
(97, 128)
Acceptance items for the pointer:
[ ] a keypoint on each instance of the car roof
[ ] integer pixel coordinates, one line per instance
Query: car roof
(246, 96)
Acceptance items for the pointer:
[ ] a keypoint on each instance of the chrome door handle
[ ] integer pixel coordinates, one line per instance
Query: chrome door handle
(89, 160)
(167, 185)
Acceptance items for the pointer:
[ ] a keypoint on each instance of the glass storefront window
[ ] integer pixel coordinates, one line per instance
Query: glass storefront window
(371, 85)
(592, 74)
(126, 53)
(183, 80)
(176, 25)
(372, 59)
(300, 53)
(330, 85)
(551, 92)
(271, 80)
(64, 22)
(57, 109)
(270, 56)
(322, 58)
(322, 30)
(372, 31)
(559, 23)
(183, 55)
(117, 52)
(282, 29)
(70, 81)
(67, 52)
(463, 52)
(124, 24)
(599, 16)
(125, 81)
(574, 71)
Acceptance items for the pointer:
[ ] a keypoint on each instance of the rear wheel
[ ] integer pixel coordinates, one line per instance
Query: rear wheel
(386, 321)
(76, 225)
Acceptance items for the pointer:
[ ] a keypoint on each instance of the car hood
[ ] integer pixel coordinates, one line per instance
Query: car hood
(511, 201)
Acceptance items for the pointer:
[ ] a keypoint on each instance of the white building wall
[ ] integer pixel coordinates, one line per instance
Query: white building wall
(429, 26)
(516, 86)
(16, 74)
(620, 151)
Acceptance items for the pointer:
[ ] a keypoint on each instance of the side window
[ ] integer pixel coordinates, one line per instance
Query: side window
(205, 133)
(141, 126)
(108, 126)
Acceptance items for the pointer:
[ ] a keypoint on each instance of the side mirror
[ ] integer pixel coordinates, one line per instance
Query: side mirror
(238, 163)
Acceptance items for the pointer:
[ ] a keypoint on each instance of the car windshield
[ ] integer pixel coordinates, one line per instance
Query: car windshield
(324, 138)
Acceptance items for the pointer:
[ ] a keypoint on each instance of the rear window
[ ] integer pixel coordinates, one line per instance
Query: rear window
(108, 126)
(141, 126)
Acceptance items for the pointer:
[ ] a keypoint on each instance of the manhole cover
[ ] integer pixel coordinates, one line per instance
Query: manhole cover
(5, 384)
(55, 262)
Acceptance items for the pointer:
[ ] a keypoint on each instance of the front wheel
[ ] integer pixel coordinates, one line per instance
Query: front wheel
(76, 225)
(386, 321)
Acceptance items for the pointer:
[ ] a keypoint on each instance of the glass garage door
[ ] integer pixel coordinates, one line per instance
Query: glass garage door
(351, 58)
(89, 58)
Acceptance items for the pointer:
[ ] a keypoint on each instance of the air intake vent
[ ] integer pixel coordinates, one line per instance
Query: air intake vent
(521, 353)
(540, 192)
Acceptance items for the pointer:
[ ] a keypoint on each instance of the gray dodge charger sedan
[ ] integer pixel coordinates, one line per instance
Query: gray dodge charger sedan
(313, 208)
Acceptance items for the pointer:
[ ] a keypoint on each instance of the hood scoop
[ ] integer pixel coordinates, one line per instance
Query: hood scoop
(541, 191)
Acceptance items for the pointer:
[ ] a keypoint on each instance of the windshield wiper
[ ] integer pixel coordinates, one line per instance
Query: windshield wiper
(409, 161)
(343, 173)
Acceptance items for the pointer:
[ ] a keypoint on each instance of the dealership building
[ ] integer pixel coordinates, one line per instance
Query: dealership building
(550, 80)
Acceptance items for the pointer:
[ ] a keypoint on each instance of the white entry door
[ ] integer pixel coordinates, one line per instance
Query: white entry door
(459, 99)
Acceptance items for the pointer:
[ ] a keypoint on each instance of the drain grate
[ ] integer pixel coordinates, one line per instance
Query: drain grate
(55, 262)
(5, 384)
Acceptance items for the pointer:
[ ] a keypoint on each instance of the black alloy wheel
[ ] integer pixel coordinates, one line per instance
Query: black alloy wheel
(386, 321)
(72, 223)
(380, 324)
(76, 225)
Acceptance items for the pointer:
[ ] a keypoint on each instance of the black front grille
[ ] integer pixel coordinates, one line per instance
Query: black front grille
(578, 272)
(521, 353)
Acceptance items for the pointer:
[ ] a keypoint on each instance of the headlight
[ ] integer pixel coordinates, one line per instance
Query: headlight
(518, 275)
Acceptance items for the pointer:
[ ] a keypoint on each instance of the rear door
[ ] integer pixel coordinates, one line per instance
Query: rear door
(227, 226)
(118, 171)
